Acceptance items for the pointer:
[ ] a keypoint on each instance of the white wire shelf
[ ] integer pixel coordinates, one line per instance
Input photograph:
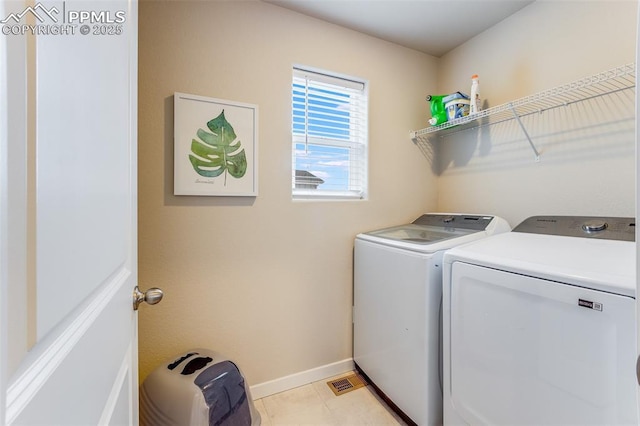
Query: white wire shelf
(604, 83)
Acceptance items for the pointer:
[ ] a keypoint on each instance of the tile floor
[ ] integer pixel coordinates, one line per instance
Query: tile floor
(315, 404)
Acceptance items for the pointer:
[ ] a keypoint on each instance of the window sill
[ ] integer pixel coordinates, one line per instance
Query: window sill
(301, 195)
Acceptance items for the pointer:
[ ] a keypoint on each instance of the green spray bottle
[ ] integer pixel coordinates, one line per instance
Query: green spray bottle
(438, 111)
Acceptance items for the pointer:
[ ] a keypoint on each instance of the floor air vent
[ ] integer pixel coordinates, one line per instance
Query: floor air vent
(346, 384)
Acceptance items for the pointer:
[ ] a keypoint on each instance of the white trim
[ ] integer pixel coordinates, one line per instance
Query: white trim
(329, 77)
(4, 213)
(116, 389)
(302, 378)
(637, 213)
(309, 194)
(134, 412)
(30, 381)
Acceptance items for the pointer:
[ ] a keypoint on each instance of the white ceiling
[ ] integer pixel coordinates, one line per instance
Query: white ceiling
(430, 26)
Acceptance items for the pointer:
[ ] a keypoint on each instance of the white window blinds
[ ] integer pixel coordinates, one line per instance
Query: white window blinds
(329, 126)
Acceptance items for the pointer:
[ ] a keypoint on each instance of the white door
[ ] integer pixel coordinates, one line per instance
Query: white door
(68, 212)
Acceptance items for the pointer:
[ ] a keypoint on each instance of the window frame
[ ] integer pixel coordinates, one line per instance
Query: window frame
(356, 143)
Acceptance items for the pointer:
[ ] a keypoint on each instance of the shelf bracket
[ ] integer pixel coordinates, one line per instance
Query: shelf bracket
(524, 130)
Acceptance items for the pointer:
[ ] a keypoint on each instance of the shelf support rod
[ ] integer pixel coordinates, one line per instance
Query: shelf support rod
(524, 130)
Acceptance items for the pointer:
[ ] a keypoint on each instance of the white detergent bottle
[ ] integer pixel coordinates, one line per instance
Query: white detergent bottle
(475, 104)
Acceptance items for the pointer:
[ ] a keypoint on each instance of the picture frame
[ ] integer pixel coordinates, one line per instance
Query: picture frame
(215, 147)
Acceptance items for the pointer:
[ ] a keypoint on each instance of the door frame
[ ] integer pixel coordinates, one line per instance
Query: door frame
(3, 216)
(637, 211)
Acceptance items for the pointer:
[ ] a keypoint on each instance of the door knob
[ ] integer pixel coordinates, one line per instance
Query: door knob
(151, 296)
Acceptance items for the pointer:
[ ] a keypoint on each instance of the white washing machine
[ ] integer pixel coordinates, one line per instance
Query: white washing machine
(539, 325)
(397, 300)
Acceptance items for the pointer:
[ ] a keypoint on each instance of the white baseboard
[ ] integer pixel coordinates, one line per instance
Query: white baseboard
(300, 379)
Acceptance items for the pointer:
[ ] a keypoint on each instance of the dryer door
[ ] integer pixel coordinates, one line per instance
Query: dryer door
(530, 351)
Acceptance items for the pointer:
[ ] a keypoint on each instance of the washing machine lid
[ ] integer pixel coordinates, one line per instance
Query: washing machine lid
(599, 264)
(419, 234)
(435, 231)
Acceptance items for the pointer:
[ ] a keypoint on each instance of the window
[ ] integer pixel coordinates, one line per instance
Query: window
(329, 126)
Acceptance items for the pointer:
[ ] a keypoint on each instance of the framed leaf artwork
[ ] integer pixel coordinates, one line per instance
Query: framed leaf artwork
(215, 147)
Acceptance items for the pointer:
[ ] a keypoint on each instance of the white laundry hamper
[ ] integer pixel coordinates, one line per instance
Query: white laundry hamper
(199, 387)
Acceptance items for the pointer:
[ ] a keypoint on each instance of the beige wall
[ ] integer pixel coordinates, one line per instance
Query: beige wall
(587, 163)
(265, 280)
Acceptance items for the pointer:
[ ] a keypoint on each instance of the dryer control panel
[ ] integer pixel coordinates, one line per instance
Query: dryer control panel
(606, 228)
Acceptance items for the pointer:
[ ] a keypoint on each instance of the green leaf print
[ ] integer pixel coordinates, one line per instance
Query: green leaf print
(219, 151)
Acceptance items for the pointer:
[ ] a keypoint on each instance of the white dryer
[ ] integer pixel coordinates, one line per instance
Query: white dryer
(539, 325)
(397, 299)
